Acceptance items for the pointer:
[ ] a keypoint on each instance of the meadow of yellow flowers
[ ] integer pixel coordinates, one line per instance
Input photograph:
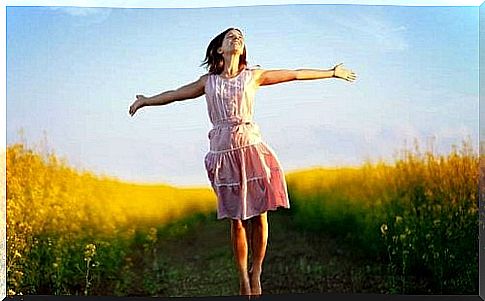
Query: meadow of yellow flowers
(70, 231)
(55, 214)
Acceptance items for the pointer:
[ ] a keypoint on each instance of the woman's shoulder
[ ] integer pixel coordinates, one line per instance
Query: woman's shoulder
(254, 70)
(203, 79)
(206, 76)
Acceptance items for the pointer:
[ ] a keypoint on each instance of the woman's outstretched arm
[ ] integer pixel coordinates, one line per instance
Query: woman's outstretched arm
(190, 91)
(271, 77)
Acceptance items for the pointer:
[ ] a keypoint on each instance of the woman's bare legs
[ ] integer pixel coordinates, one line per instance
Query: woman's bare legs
(259, 239)
(240, 247)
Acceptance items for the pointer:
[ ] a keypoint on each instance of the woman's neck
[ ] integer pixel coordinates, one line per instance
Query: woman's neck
(231, 66)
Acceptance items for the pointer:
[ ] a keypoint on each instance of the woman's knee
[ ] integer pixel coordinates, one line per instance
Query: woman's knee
(260, 219)
(238, 225)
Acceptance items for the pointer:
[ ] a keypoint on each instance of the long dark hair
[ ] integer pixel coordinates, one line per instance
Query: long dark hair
(214, 61)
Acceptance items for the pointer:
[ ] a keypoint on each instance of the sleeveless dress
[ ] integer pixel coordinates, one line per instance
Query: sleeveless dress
(243, 170)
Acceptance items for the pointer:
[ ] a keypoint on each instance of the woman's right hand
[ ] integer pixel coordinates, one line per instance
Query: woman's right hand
(139, 102)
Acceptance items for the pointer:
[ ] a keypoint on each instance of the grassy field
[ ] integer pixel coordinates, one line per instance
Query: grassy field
(419, 215)
(406, 227)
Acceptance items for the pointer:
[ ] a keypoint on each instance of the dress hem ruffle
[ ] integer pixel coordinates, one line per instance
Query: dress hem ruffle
(274, 208)
(223, 167)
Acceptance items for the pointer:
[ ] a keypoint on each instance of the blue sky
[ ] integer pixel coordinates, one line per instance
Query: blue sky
(73, 72)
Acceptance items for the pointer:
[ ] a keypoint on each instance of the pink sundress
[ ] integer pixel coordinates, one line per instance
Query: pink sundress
(243, 170)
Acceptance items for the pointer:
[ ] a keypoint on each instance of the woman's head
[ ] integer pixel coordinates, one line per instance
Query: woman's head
(230, 40)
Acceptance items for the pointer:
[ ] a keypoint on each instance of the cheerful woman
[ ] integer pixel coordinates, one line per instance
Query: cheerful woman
(243, 170)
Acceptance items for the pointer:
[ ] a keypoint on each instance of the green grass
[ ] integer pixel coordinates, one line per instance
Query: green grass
(419, 215)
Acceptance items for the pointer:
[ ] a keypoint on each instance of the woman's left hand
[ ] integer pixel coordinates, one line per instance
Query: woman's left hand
(341, 72)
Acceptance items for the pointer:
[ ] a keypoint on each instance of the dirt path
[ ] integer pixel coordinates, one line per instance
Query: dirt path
(201, 263)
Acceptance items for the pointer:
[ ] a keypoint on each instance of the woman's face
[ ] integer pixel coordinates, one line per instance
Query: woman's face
(233, 42)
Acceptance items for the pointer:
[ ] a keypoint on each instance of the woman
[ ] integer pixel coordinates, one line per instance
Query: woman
(243, 170)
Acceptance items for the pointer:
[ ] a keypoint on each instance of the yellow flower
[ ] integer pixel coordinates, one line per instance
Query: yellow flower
(89, 251)
(384, 229)
(152, 234)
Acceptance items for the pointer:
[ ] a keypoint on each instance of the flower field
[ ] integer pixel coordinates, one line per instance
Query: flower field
(71, 232)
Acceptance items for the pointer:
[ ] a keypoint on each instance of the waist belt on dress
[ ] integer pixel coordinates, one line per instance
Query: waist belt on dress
(231, 122)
